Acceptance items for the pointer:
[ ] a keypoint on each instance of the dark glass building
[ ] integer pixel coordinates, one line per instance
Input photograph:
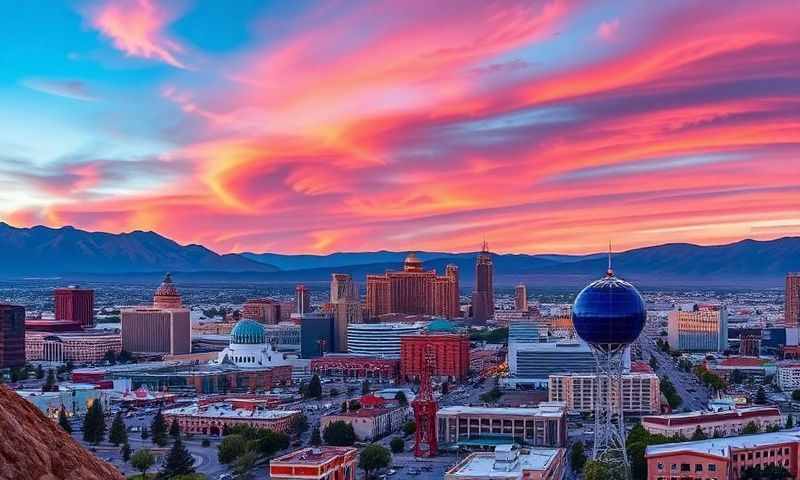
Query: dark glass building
(316, 335)
(12, 336)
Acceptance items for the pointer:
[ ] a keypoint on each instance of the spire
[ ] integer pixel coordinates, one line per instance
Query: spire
(485, 247)
(610, 271)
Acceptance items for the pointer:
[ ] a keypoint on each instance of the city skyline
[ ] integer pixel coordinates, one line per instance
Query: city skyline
(321, 127)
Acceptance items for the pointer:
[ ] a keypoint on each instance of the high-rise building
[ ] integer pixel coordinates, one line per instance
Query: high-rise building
(533, 363)
(483, 293)
(450, 352)
(302, 299)
(641, 393)
(167, 295)
(345, 306)
(164, 328)
(316, 335)
(703, 328)
(521, 298)
(262, 310)
(792, 307)
(413, 291)
(12, 336)
(74, 304)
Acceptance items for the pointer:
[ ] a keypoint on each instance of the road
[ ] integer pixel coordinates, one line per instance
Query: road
(683, 381)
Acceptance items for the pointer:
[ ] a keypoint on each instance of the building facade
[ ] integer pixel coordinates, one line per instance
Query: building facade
(542, 426)
(509, 463)
(724, 423)
(788, 376)
(262, 310)
(315, 463)
(370, 424)
(533, 363)
(248, 348)
(483, 292)
(151, 330)
(74, 304)
(521, 298)
(345, 307)
(379, 340)
(450, 352)
(355, 366)
(792, 300)
(641, 393)
(212, 418)
(704, 328)
(88, 346)
(12, 336)
(302, 299)
(413, 291)
(316, 335)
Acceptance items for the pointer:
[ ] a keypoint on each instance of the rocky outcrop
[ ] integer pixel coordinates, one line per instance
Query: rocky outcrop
(33, 447)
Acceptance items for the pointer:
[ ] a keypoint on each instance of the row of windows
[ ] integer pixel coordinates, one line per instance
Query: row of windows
(687, 467)
(767, 453)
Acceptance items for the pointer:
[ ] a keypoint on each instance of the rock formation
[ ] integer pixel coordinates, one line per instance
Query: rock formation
(33, 447)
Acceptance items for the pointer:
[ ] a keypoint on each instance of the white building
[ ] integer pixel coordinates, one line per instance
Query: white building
(509, 463)
(248, 348)
(702, 328)
(380, 340)
(533, 363)
(641, 393)
(788, 376)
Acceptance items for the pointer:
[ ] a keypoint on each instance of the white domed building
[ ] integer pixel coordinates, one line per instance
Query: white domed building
(248, 348)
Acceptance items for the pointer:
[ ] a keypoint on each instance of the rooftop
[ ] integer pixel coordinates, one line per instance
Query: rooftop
(720, 447)
(554, 409)
(313, 456)
(362, 413)
(225, 410)
(487, 464)
(706, 416)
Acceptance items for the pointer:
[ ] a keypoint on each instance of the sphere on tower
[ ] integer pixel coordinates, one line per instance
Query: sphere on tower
(609, 313)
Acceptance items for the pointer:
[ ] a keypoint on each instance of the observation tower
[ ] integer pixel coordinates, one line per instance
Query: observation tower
(609, 314)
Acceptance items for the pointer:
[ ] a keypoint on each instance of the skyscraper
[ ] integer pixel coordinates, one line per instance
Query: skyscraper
(164, 328)
(75, 304)
(302, 301)
(12, 336)
(521, 298)
(792, 310)
(346, 307)
(483, 293)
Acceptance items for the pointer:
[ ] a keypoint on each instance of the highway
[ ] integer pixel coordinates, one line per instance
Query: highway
(683, 381)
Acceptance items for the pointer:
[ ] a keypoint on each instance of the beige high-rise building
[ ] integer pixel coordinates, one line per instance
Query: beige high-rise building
(792, 302)
(521, 298)
(346, 307)
(641, 392)
(164, 328)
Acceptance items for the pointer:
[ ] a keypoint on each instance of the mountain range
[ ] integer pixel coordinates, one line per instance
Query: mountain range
(58, 251)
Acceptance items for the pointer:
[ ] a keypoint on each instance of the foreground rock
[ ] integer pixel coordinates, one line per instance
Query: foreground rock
(32, 447)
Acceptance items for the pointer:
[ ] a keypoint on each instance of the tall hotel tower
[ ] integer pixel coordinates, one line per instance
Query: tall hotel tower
(792, 310)
(346, 307)
(483, 293)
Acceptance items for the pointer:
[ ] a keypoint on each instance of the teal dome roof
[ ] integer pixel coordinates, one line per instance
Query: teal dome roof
(248, 332)
(442, 326)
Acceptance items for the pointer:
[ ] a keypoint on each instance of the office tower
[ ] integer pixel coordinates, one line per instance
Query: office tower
(262, 310)
(12, 336)
(413, 291)
(521, 298)
(483, 293)
(74, 304)
(302, 299)
(346, 307)
(792, 308)
(316, 335)
(704, 328)
(164, 328)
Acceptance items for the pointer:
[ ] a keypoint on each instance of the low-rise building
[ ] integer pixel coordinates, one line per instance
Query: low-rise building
(450, 355)
(788, 376)
(641, 392)
(723, 458)
(724, 423)
(510, 463)
(212, 418)
(370, 424)
(542, 426)
(356, 366)
(316, 463)
(753, 368)
(532, 363)
(89, 346)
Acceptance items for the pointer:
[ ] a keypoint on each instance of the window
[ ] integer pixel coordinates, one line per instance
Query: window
(685, 467)
(698, 467)
(661, 466)
(758, 454)
(712, 467)
(674, 467)
(749, 455)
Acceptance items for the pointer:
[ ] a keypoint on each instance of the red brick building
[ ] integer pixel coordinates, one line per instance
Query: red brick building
(74, 304)
(317, 463)
(451, 353)
(262, 310)
(355, 366)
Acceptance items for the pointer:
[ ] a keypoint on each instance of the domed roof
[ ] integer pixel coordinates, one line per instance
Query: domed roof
(441, 325)
(248, 332)
(609, 312)
(412, 263)
(167, 288)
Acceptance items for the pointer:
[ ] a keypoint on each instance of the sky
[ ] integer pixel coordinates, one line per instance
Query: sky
(321, 126)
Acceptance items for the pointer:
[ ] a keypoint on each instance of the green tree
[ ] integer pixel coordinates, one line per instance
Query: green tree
(316, 440)
(577, 457)
(653, 363)
(698, 434)
(175, 429)
(596, 470)
(298, 424)
(636, 451)
(269, 442)
(124, 356)
(492, 395)
(205, 443)
(789, 422)
(401, 398)
(110, 357)
(761, 396)
(244, 464)
(736, 376)
(750, 429)
(94, 423)
(232, 447)
(178, 462)
(374, 457)
(158, 430)
(409, 427)
(314, 389)
(118, 434)
(339, 434)
(125, 451)
(142, 460)
(397, 445)
(63, 421)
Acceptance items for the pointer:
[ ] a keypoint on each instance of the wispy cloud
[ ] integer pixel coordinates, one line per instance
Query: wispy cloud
(74, 89)
(609, 29)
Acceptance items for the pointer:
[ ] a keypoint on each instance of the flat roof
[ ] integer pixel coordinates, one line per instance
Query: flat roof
(226, 410)
(720, 447)
(546, 409)
(483, 464)
(699, 416)
(312, 456)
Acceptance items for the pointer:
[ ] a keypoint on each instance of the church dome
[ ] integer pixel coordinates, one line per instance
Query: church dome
(248, 332)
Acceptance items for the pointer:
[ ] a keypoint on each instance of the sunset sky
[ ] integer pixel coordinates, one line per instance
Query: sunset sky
(312, 127)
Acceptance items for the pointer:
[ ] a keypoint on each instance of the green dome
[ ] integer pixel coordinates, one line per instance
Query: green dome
(442, 326)
(248, 332)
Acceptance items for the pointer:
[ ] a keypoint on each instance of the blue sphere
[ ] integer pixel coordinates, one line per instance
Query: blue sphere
(609, 313)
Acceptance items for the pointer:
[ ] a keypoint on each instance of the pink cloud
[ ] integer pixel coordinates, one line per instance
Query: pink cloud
(137, 27)
(608, 30)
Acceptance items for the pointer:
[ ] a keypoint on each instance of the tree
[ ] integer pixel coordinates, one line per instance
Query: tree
(110, 357)
(365, 387)
(175, 429)
(243, 465)
(492, 395)
(178, 462)
(796, 395)
(698, 434)
(789, 422)
(636, 451)
(355, 405)
(269, 442)
(761, 396)
(158, 430)
(401, 398)
(232, 447)
(374, 457)
(736, 376)
(63, 421)
(142, 460)
(409, 427)
(124, 356)
(750, 429)
(577, 457)
(596, 470)
(314, 389)
(118, 434)
(125, 451)
(397, 445)
(94, 424)
(298, 424)
(316, 440)
(339, 434)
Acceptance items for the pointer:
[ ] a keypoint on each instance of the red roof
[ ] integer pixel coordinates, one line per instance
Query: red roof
(678, 420)
(742, 362)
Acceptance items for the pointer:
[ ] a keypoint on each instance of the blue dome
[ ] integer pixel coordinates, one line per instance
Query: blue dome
(248, 332)
(608, 313)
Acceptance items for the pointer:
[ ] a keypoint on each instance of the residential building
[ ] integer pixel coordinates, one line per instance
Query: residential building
(723, 423)
(521, 298)
(88, 346)
(792, 300)
(315, 463)
(450, 355)
(12, 336)
(212, 418)
(702, 328)
(345, 365)
(752, 368)
(379, 340)
(723, 458)
(507, 462)
(541, 426)
(483, 292)
(345, 306)
(74, 304)
(641, 393)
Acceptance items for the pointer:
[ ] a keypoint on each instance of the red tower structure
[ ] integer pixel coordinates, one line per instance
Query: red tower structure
(425, 409)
